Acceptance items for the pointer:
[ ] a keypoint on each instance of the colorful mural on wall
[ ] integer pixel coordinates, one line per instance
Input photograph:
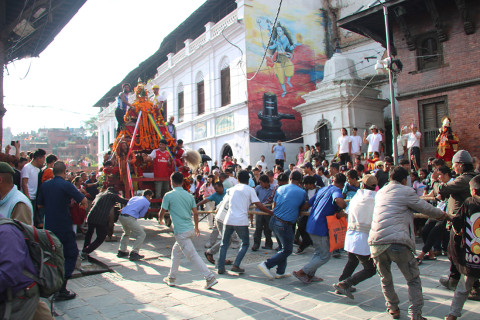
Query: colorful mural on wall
(293, 63)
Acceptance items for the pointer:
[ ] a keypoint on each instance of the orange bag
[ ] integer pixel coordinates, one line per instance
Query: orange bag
(337, 229)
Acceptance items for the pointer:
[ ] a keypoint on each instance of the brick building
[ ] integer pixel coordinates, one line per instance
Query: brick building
(438, 43)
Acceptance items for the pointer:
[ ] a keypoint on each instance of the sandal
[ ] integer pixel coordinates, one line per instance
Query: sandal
(419, 261)
(394, 313)
(210, 258)
(228, 262)
(304, 278)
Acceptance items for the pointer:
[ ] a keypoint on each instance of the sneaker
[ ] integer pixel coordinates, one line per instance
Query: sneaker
(169, 281)
(282, 276)
(263, 267)
(238, 269)
(449, 283)
(255, 248)
(83, 255)
(221, 271)
(122, 254)
(134, 256)
(211, 282)
(394, 313)
(63, 295)
(345, 290)
(299, 251)
(267, 247)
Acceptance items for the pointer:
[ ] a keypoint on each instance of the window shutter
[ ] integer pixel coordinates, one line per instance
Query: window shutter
(200, 97)
(225, 86)
(181, 107)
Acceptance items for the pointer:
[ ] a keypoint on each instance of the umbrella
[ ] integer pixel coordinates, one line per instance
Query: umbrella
(205, 158)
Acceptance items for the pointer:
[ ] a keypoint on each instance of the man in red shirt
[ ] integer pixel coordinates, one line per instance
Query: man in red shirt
(162, 168)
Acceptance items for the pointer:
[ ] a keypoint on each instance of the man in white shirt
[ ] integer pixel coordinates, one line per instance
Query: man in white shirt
(262, 163)
(344, 146)
(356, 143)
(240, 198)
(373, 140)
(30, 183)
(413, 146)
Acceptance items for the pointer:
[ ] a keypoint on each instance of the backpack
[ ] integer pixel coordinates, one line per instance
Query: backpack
(46, 252)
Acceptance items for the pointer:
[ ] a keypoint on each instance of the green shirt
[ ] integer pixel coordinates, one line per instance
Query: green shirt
(179, 203)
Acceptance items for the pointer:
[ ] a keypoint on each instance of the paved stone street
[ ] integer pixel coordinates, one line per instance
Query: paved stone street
(136, 291)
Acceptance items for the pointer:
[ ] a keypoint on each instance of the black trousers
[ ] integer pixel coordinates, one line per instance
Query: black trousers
(302, 232)
(262, 224)
(353, 260)
(280, 162)
(432, 233)
(344, 158)
(414, 151)
(101, 230)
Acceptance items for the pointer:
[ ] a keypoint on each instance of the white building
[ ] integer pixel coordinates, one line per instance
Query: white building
(213, 76)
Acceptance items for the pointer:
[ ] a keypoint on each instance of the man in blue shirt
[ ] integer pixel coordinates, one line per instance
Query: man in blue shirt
(55, 196)
(135, 209)
(265, 195)
(287, 202)
(326, 202)
(180, 205)
(280, 154)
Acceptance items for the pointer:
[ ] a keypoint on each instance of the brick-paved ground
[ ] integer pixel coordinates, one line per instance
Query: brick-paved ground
(136, 291)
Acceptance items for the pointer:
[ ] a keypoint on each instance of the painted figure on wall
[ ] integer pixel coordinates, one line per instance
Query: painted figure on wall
(280, 49)
(447, 142)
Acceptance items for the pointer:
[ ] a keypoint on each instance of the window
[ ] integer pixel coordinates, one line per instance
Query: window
(431, 112)
(323, 135)
(200, 97)
(181, 107)
(429, 51)
(225, 85)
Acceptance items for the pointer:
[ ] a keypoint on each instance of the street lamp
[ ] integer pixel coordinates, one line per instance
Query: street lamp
(388, 64)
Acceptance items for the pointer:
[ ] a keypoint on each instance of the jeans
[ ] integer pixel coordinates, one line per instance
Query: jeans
(321, 255)
(184, 244)
(262, 224)
(131, 227)
(228, 230)
(101, 230)
(353, 279)
(461, 294)
(408, 265)
(284, 234)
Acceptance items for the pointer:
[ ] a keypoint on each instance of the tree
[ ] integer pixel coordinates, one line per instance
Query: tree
(90, 125)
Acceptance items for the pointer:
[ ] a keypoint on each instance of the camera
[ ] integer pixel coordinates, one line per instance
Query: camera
(12, 143)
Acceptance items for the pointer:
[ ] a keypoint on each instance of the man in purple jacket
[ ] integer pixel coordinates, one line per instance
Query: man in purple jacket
(22, 299)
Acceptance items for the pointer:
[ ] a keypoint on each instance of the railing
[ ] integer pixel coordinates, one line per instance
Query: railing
(200, 41)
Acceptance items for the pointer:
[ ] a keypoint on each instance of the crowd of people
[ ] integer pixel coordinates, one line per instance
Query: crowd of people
(289, 206)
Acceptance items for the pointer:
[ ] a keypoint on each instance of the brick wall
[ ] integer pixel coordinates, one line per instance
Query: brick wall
(461, 62)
